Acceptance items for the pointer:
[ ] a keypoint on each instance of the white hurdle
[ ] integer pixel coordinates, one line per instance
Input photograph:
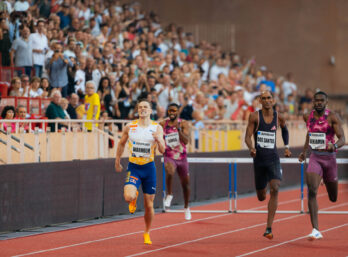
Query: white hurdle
(234, 199)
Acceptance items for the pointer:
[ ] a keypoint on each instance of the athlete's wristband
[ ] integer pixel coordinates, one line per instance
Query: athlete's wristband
(335, 145)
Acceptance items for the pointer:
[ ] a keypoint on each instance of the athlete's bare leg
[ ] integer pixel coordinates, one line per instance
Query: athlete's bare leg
(313, 181)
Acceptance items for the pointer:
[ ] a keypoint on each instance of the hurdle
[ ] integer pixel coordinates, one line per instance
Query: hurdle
(233, 193)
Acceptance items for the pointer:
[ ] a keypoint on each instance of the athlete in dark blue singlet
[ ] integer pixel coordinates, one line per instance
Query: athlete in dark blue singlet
(263, 125)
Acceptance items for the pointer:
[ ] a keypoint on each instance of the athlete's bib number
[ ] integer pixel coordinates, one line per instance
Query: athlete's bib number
(266, 139)
(141, 149)
(317, 140)
(172, 140)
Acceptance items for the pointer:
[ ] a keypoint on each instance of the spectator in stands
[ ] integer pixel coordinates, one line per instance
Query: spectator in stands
(25, 82)
(290, 103)
(64, 103)
(16, 87)
(5, 43)
(306, 101)
(255, 106)
(57, 66)
(21, 6)
(80, 76)
(164, 92)
(54, 111)
(92, 104)
(122, 94)
(34, 90)
(288, 86)
(21, 114)
(22, 51)
(218, 68)
(75, 109)
(40, 47)
(64, 16)
(45, 86)
(186, 110)
(268, 81)
(198, 125)
(8, 113)
(70, 52)
(231, 105)
(104, 92)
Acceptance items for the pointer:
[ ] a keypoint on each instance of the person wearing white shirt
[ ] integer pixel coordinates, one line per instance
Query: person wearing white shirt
(21, 6)
(288, 86)
(80, 76)
(164, 92)
(162, 46)
(70, 52)
(40, 47)
(217, 69)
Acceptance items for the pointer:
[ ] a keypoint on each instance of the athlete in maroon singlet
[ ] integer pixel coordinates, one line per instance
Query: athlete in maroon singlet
(176, 135)
(322, 126)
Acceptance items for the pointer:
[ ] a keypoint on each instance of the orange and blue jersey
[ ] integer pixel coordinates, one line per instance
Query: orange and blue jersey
(141, 167)
(141, 143)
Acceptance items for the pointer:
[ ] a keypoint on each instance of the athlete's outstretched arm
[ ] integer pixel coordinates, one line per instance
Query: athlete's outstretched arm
(249, 133)
(337, 126)
(120, 148)
(285, 135)
(158, 136)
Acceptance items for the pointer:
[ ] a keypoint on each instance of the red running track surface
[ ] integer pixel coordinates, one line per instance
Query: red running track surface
(205, 235)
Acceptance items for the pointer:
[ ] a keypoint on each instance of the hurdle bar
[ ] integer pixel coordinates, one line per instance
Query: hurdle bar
(235, 161)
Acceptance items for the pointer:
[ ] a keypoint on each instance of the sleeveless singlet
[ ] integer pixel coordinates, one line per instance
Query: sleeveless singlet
(320, 131)
(141, 143)
(265, 138)
(174, 148)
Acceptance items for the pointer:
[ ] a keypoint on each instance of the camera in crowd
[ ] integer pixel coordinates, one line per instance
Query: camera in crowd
(19, 15)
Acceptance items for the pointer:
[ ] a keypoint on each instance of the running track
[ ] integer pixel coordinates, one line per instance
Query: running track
(205, 235)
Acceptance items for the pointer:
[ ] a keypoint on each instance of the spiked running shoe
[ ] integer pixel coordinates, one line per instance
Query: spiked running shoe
(147, 239)
(133, 204)
(268, 233)
(315, 235)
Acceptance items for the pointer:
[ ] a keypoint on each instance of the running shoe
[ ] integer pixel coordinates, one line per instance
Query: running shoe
(147, 239)
(187, 214)
(133, 204)
(268, 233)
(168, 201)
(315, 235)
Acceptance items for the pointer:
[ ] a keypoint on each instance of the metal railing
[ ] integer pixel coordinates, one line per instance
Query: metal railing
(74, 141)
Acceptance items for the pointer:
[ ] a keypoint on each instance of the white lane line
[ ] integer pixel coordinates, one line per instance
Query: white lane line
(118, 236)
(289, 241)
(225, 233)
(296, 200)
(132, 233)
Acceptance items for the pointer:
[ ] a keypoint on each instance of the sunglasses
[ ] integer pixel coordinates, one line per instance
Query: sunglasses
(266, 98)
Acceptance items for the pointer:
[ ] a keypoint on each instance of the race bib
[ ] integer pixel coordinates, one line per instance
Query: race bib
(172, 140)
(317, 140)
(141, 149)
(266, 139)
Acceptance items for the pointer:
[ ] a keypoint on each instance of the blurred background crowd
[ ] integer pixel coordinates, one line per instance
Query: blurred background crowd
(59, 47)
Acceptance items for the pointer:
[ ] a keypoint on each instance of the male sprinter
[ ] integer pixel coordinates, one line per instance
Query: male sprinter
(143, 135)
(263, 124)
(176, 134)
(322, 126)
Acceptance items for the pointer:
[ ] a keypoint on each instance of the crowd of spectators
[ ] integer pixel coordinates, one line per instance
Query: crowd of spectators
(63, 48)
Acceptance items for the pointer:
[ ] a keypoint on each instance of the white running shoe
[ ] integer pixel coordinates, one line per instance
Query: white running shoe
(315, 235)
(187, 214)
(168, 201)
